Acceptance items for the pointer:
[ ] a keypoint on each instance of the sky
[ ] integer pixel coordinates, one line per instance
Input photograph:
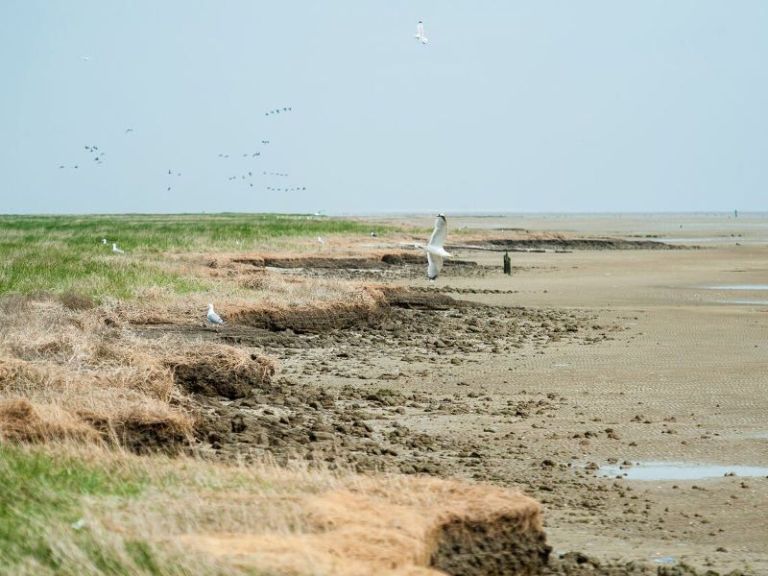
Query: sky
(512, 106)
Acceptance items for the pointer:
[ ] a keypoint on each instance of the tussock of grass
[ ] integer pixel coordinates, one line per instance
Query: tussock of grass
(216, 370)
(65, 374)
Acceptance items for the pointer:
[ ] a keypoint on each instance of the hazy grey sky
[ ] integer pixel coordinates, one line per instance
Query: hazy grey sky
(512, 106)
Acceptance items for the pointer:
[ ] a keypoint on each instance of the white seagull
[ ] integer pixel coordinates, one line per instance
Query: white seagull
(320, 240)
(104, 241)
(212, 317)
(115, 249)
(420, 36)
(435, 250)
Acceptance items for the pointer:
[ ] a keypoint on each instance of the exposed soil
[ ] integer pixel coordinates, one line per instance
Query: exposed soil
(212, 375)
(564, 244)
(247, 414)
(499, 547)
(388, 266)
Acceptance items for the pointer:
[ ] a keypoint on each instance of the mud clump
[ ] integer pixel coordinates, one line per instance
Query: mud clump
(219, 370)
(499, 547)
(144, 432)
(310, 320)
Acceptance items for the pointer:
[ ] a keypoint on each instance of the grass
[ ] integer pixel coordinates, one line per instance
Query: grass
(65, 254)
(54, 515)
(41, 494)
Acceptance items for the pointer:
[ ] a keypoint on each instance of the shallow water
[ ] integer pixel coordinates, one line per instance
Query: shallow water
(737, 287)
(748, 302)
(678, 471)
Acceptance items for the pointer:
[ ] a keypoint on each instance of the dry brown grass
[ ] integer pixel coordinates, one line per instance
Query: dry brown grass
(296, 521)
(105, 382)
(76, 373)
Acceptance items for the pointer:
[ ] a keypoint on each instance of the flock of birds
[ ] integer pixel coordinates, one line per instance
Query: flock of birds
(434, 249)
(96, 155)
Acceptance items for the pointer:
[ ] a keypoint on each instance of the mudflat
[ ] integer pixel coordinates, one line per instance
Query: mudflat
(679, 376)
(630, 357)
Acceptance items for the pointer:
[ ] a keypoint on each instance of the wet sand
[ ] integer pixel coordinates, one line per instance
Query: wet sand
(686, 382)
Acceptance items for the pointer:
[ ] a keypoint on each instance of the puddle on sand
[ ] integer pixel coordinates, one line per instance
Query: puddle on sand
(737, 287)
(677, 471)
(745, 302)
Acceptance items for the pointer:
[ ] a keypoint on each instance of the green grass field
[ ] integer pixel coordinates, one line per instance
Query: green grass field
(65, 253)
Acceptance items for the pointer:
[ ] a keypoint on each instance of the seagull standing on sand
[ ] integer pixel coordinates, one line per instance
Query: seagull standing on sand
(420, 36)
(435, 250)
(212, 317)
(116, 250)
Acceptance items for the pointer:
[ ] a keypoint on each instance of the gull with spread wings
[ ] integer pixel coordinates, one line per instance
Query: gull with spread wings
(435, 250)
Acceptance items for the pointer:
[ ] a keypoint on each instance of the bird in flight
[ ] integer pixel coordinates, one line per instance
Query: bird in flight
(420, 36)
(435, 250)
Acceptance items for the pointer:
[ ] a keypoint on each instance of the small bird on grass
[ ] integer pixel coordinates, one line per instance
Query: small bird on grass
(116, 250)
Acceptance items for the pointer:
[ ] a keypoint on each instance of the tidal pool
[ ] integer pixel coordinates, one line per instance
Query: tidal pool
(678, 471)
(737, 287)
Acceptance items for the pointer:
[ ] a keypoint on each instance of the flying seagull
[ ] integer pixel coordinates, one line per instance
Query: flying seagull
(420, 36)
(435, 250)
(115, 249)
(212, 317)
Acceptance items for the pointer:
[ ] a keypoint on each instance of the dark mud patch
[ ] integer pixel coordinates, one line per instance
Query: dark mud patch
(311, 320)
(288, 420)
(566, 244)
(499, 546)
(217, 371)
(340, 263)
(579, 564)
(143, 433)
(421, 300)
(388, 266)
